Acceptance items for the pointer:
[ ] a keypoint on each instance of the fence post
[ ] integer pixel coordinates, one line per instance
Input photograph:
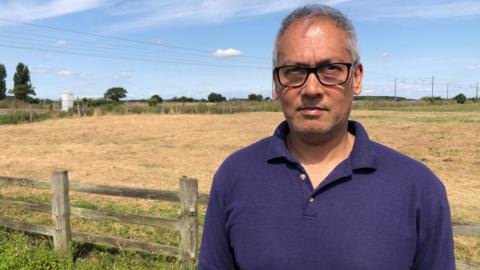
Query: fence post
(188, 221)
(61, 213)
(30, 113)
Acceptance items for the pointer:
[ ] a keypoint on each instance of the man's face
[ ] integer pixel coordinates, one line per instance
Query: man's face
(315, 109)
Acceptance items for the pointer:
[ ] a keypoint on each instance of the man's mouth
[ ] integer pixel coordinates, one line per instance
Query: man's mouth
(311, 110)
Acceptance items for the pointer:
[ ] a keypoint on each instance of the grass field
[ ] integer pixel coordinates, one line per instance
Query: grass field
(154, 150)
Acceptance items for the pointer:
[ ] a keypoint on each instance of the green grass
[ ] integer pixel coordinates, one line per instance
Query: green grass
(88, 256)
(35, 252)
(19, 251)
(23, 116)
(433, 108)
(393, 119)
(27, 251)
(19, 117)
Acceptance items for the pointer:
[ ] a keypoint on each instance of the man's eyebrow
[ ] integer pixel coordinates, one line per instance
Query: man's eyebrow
(320, 63)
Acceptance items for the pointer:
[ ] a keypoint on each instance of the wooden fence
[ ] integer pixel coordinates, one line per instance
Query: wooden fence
(186, 224)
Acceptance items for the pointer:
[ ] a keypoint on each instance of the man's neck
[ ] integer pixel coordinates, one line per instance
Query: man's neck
(328, 148)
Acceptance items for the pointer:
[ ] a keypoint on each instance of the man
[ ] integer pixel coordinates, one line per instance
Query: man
(318, 194)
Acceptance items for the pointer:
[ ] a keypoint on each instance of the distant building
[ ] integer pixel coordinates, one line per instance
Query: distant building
(67, 101)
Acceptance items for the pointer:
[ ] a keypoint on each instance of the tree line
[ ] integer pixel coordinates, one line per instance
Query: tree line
(24, 90)
(22, 86)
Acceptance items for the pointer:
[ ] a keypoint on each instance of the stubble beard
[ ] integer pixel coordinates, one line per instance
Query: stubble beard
(318, 130)
(308, 132)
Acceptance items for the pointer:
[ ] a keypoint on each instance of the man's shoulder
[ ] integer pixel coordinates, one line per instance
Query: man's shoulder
(252, 153)
(387, 156)
(406, 170)
(240, 164)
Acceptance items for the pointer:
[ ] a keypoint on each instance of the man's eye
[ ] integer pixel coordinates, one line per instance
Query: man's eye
(332, 68)
(294, 71)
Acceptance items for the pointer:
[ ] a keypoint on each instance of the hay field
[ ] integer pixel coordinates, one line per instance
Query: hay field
(153, 151)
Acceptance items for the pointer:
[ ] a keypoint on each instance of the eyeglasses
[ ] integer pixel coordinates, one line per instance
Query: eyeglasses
(330, 74)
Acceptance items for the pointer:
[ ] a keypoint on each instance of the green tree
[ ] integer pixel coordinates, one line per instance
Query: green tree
(216, 97)
(255, 97)
(22, 87)
(115, 93)
(431, 100)
(460, 98)
(154, 100)
(3, 83)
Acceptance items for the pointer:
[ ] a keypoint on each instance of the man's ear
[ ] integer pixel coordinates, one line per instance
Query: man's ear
(275, 93)
(276, 88)
(357, 79)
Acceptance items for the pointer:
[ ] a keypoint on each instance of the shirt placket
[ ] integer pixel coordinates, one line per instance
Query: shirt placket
(308, 196)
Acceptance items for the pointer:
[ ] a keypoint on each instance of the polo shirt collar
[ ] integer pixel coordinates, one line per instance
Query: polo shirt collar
(362, 156)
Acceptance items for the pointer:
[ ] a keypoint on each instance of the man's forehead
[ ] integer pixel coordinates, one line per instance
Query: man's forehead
(311, 27)
(301, 37)
(312, 31)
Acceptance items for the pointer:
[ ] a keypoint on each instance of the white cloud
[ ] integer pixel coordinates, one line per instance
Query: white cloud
(64, 72)
(154, 13)
(123, 75)
(40, 69)
(368, 10)
(369, 91)
(137, 14)
(227, 53)
(472, 67)
(41, 9)
(61, 43)
(385, 55)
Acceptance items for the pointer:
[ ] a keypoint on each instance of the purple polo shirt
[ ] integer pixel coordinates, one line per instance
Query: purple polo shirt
(378, 209)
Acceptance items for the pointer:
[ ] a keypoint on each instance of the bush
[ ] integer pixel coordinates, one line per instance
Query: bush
(255, 97)
(182, 99)
(431, 100)
(154, 100)
(460, 98)
(115, 93)
(216, 97)
(22, 117)
(95, 102)
(16, 252)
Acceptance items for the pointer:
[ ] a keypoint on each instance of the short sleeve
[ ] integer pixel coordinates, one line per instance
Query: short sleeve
(215, 251)
(435, 248)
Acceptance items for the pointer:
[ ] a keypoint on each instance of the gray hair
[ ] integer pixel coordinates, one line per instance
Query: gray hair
(316, 11)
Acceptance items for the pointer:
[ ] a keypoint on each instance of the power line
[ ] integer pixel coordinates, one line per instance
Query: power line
(40, 44)
(121, 39)
(6, 45)
(104, 47)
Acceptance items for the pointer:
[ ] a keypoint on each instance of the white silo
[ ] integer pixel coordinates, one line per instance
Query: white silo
(67, 101)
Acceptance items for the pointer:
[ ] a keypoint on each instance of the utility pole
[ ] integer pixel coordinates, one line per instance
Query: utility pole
(433, 81)
(476, 96)
(447, 90)
(395, 90)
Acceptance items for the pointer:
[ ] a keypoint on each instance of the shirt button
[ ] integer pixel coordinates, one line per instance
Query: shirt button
(311, 199)
(303, 177)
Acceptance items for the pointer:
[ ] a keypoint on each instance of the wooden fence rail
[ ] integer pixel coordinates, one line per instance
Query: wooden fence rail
(186, 224)
(140, 193)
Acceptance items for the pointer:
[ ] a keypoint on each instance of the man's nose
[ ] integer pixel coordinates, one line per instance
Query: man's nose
(312, 86)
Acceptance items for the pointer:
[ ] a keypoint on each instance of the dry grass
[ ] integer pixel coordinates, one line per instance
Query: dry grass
(153, 151)
(150, 151)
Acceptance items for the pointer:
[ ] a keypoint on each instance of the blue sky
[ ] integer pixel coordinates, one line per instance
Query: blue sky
(194, 47)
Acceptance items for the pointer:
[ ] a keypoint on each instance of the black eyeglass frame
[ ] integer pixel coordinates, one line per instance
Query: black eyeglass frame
(314, 71)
